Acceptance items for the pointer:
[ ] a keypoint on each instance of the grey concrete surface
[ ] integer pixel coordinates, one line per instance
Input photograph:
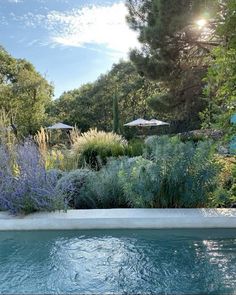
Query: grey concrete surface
(121, 219)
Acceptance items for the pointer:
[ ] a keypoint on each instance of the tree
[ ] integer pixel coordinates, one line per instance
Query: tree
(23, 92)
(115, 114)
(174, 51)
(95, 104)
(220, 91)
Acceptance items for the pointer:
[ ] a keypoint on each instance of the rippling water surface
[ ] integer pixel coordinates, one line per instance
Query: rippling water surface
(138, 261)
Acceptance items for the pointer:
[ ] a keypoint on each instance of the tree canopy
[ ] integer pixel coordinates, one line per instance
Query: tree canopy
(175, 51)
(92, 105)
(184, 73)
(220, 91)
(24, 93)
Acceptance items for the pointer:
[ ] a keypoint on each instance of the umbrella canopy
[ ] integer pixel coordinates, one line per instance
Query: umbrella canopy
(146, 123)
(154, 122)
(138, 122)
(60, 126)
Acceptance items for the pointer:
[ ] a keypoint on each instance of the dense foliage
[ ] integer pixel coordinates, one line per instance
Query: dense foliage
(175, 51)
(175, 174)
(225, 194)
(105, 186)
(24, 93)
(121, 88)
(162, 80)
(70, 185)
(169, 174)
(93, 148)
(220, 91)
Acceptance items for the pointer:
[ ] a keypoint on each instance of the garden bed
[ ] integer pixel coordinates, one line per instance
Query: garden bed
(121, 218)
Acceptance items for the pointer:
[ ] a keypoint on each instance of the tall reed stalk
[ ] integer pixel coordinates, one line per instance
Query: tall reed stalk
(42, 139)
(7, 137)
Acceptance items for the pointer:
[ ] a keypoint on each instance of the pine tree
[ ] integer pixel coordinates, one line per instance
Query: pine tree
(174, 51)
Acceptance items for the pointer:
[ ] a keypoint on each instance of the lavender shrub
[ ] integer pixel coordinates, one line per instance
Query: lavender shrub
(30, 188)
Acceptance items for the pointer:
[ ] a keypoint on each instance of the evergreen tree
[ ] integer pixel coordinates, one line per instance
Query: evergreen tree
(115, 114)
(175, 51)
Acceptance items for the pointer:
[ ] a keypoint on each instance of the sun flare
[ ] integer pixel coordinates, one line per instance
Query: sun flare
(201, 23)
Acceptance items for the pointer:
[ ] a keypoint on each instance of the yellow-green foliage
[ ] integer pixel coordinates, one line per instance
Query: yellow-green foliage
(225, 195)
(74, 135)
(95, 137)
(92, 148)
(227, 164)
(42, 140)
(56, 157)
(6, 135)
(59, 157)
(7, 138)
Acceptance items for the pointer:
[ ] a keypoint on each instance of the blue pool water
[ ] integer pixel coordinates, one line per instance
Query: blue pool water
(120, 262)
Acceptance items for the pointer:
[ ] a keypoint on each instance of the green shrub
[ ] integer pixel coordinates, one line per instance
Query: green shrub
(232, 190)
(201, 135)
(134, 182)
(93, 148)
(69, 187)
(135, 148)
(225, 195)
(222, 198)
(174, 174)
(59, 157)
(104, 187)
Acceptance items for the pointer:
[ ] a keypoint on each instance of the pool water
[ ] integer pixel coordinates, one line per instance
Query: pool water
(118, 261)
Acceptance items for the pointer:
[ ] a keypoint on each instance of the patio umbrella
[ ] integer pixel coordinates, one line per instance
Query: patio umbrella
(154, 122)
(146, 123)
(139, 122)
(60, 126)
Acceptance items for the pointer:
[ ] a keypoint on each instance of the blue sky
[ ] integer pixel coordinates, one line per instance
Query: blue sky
(71, 42)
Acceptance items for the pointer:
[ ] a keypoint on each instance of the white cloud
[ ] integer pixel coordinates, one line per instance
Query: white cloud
(94, 25)
(15, 1)
(91, 27)
(3, 20)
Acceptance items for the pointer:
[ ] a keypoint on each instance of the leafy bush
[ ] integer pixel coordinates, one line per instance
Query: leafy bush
(174, 174)
(135, 148)
(93, 148)
(104, 187)
(28, 187)
(56, 156)
(6, 177)
(69, 186)
(225, 195)
(59, 157)
(202, 134)
(7, 136)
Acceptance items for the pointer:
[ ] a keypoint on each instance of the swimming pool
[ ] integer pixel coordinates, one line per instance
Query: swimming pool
(118, 261)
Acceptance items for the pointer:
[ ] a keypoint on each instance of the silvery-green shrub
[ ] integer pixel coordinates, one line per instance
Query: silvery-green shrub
(104, 187)
(175, 174)
(69, 187)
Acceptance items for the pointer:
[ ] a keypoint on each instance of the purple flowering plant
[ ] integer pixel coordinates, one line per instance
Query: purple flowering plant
(25, 185)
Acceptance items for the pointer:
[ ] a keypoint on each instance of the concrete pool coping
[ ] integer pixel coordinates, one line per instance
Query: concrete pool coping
(121, 219)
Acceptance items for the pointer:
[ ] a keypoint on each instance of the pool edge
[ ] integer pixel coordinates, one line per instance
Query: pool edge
(121, 219)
